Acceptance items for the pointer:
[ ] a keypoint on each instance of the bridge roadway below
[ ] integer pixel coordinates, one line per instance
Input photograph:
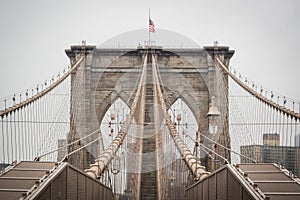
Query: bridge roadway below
(149, 164)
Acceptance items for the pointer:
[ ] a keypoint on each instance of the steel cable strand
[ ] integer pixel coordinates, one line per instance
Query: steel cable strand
(26, 133)
(45, 144)
(21, 139)
(163, 89)
(204, 149)
(3, 138)
(254, 93)
(135, 185)
(14, 127)
(214, 152)
(156, 121)
(7, 140)
(289, 113)
(11, 139)
(64, 127)
(43, 92)
(59, 123)
(254, 161)
(194, 166)
(167, 98)
(37, 158)
(142, 117)
(272, 120)
(237, 116)
(39, 127)
(289, 101)
(82, 147)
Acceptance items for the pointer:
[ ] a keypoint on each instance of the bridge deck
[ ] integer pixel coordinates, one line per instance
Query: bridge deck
(49, 180)
(21, 179)
(246, 181)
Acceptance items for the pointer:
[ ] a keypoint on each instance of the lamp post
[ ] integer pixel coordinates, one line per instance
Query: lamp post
(178, 118)
(212, 114)
(172, 185)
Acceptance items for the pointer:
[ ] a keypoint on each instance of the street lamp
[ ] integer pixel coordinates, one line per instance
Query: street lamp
(116, 165)
(172, 185)
(172, 179)
(212, 114)
(178, 118)
(115, 169)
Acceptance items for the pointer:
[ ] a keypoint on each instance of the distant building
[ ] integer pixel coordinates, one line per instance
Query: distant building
(254, 152)
(271, 139)
(271, 152)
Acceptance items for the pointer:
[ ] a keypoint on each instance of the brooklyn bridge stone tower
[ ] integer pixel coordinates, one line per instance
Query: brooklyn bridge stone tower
(111, 73)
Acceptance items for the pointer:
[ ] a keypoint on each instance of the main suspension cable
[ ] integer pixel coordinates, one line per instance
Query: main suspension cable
(191, 161)
(105, 158)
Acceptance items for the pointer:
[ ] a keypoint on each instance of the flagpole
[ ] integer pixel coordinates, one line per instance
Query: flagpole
(149, 29)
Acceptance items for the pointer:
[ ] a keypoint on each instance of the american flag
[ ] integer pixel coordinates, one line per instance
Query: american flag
(151, 26)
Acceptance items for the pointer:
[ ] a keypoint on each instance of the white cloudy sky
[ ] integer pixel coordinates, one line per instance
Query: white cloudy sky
(264, 33)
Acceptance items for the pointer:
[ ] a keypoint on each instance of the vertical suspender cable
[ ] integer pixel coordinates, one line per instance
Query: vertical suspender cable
(11, 137)
(14, 127)
(19, 134)
(44, 120)
(27, 131)
(256, 115)
(288, 137)
(31, 131)
(283, 128)
(35, 141)
(276, 120)
(259, 126)
(7, 137)
(2, 129)
(38, 126)
(273, 120)
(22, 134)
(269, 119)
(265, 117)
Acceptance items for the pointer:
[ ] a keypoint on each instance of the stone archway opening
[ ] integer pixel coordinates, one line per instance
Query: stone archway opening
(185, 121)
(112, 121)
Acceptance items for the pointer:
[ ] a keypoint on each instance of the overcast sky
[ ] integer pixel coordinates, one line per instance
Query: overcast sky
(264, 33)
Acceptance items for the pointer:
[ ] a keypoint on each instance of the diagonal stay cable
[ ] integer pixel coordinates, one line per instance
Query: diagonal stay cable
(37, 158)
(88, 144)
(210, 150)
(248, 158)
